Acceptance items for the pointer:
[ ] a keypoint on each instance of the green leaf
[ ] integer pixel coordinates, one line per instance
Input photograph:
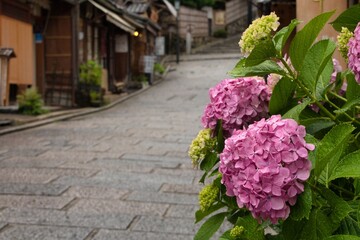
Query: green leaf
(332, 161)
(349, 226)
(261, 53)
(262, 69)
(200, 215)
(318, 55)
(322, 84)
(209, 161)
(349, 166)
(318, 226)
(292, 229)
(281, 95)
(295, 112)
(303, 205)
(353, 88)
(349, 19)
(343, 237)
(314, 125)
(220, 136)
(282, 36)
(305, 38)
(253, 231)
(357, 189)
(339, 208)
(202, 179)
(210, 226)
(330, 144)
(226, 236)
(311, 156)
(347, 106)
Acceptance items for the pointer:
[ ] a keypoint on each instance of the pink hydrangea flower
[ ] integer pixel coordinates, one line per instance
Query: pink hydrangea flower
(265, 165)
(354, 53)
(337, 69)
(237, 102)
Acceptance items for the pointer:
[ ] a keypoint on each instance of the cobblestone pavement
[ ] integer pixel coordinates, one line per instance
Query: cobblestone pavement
(122, 173)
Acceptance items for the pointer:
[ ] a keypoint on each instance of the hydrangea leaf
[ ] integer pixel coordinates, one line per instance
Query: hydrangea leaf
(330, 144)
(220, 136)
(317, 227)
(209, 161)
(282, 36)
(339, 208)
(349, 166)
(305, 38)
(253, 230)
(322, 84)
(349, 19)
(343, 237)
(226, 236)
(295, 112)
(311, 139)
(261, 69)
(303, 205)
(347, 106)
(281, 95)
(210, 226)
(318, 55)
(314, 125)
(349, 226)
(353, 88)
(200, 215)
(331, 163)
(262, 52)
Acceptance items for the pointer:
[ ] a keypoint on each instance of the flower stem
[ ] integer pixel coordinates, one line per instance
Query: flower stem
(345, 114)
(338, 96)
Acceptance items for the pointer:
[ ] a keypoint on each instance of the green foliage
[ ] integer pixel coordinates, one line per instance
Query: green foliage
(329, 207)
(90, 73)
(221, 33)
(305, 38)
(140, 78)
(30, 102)
(159, 68)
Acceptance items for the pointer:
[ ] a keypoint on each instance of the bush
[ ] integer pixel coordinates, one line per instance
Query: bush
(159, 68)
(221, 33)
(90, 73)
(30, 102)
(89, 91)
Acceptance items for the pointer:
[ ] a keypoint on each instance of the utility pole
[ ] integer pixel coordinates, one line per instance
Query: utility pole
(177, 7)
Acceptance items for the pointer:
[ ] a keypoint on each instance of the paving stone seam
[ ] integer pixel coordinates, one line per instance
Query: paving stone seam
(92, 234)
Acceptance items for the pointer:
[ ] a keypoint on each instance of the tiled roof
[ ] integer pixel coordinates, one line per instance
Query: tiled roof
(138, 7)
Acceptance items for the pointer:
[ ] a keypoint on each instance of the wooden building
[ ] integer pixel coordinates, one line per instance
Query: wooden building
(16, 32)
(52, 38)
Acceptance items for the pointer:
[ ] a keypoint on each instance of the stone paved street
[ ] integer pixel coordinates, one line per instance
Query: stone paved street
(122, 173)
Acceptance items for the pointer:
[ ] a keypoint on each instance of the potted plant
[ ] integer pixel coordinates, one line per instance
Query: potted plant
(89, 92)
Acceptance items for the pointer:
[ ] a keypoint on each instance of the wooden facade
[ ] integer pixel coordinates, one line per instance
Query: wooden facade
(51, 38)
(16, 32)
(59, 87)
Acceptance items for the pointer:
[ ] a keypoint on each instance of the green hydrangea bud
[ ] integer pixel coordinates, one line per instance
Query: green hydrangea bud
(208, 196)
(201, 145)
(259, 30)
(343, 39)
(237, 231)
